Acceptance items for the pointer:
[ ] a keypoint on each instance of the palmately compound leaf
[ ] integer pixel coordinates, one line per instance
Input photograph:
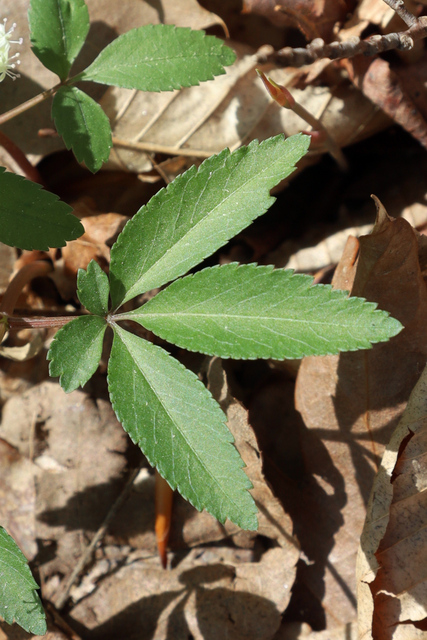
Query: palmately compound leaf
(58, 29)
(180, 428)
(251, 311)
(93, 289)
(19, 600)
(159, 57)
(32, 218)
(83, 125)
(76, 350)
(198, 213)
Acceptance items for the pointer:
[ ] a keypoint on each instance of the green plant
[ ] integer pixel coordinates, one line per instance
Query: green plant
(233, 311)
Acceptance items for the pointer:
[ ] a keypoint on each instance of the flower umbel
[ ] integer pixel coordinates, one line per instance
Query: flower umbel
(6, 64)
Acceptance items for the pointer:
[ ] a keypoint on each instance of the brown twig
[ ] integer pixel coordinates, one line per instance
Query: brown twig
(317, 49)
(399, 7)
(96, 538)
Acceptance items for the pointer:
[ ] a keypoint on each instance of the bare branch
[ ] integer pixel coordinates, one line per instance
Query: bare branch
(399, 7)
(347, 49)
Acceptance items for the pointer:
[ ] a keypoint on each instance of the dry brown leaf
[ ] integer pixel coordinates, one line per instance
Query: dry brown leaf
(213, 592)
(392, 560)
(351, 404)
(78, 448)
(303, 631)
(380, 83)
(101, 231)
(18, 496)
(314, 18)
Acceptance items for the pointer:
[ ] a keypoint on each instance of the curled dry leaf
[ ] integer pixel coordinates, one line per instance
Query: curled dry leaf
(351, 404)
(392, 561)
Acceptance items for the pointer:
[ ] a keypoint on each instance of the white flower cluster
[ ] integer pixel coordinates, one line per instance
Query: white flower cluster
(6, 64)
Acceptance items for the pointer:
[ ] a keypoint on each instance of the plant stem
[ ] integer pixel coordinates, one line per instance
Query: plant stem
(32, 102)
(284, 98)
(20, 158)
(24, 276)
(44, 322)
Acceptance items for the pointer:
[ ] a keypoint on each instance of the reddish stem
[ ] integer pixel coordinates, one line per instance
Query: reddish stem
(24, 276)
(44, 322)
(20, 158)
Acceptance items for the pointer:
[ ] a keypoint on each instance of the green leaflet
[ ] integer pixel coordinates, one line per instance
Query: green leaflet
(159, 58)
(83, 125)
(58, 29)
(180, 428)
(251, 311)
(198, 213)
(19, 600)
(93, 289)
(76, 351)
(32, 218)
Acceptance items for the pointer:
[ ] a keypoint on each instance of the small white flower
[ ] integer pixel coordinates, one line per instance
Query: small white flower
(6, 64)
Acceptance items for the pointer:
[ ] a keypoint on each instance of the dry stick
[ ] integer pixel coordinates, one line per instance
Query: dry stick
(97, 537)
(160, 148)
(399, 7)
(373, 45)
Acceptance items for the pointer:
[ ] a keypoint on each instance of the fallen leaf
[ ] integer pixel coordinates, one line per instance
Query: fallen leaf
(351, 404)
(211, 593)
(18, 495)
(392, 561)
(378, 81)
(101, 231)
(79, 453)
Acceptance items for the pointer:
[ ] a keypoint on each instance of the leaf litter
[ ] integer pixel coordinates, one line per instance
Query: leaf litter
(296, 577)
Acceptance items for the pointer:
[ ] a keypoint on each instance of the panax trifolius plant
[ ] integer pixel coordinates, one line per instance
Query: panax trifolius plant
(232, 311)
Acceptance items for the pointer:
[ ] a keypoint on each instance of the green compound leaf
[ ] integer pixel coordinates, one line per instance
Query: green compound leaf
(83, 125)
(93, 289)
(31, 218)
(180, 428)
(159, 57)
(76, 351)
(254, 311)
(58, 29)
(198, 213)
(19, 600)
